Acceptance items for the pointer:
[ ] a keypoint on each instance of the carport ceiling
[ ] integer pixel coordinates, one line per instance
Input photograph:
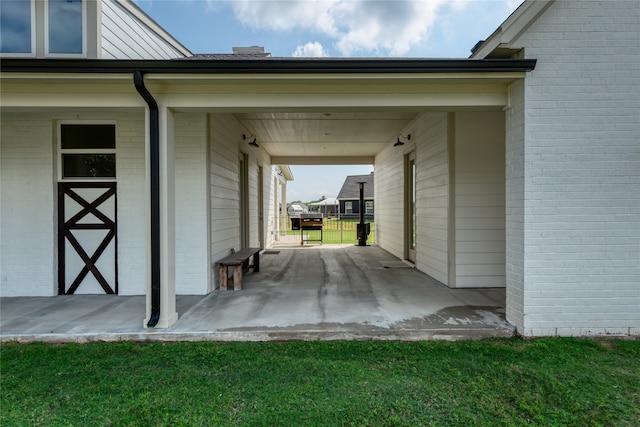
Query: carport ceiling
(325, 134)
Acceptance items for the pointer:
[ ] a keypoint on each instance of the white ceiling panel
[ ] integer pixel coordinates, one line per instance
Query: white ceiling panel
(325, 134)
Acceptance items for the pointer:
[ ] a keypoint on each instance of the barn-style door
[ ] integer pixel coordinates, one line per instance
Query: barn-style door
(87, 243)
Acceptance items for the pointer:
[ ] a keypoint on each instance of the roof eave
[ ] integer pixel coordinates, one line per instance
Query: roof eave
(268, 66)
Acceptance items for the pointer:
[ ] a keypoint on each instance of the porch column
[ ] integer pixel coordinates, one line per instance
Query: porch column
(168, 313)
(283, 216)
(276, 210)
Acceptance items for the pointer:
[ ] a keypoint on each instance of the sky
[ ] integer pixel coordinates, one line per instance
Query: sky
(331, 28)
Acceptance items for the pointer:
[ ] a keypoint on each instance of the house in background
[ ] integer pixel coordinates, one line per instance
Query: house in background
(297, 209)
(125, 165)
(327, 207)
(349, 196)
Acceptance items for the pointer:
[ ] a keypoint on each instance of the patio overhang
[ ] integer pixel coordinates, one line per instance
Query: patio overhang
(310, 111)
(303, 111)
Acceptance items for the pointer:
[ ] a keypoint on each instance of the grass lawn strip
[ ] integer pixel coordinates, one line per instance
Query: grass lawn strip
(478, 383)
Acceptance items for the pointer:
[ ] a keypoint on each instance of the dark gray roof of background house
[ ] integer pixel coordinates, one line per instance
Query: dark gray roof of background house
(226, 56)
(351, 189)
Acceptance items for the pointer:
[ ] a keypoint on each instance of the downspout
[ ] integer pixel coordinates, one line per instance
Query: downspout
(154, 168)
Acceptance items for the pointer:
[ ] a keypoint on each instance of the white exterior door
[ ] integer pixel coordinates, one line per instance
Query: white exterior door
(87, 244)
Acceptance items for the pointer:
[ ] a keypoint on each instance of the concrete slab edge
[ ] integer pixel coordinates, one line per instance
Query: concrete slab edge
(445, 334)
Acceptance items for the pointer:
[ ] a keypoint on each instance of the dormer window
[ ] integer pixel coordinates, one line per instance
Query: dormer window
(65, 25)
(17, 27)
(64, 33)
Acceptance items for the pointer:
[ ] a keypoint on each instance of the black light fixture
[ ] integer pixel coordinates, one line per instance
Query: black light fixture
(398, 142)
(253, 142)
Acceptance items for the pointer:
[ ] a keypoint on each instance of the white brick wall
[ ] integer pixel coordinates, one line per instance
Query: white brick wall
(132, 212)
(581, 200)
(27, 216)
(193, 266)
(28, 210)
(514, 154)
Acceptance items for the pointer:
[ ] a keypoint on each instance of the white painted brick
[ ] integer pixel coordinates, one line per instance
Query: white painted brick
(193, 266)
(28, 202)
(581, 192)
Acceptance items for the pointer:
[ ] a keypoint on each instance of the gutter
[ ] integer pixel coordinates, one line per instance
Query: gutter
(154, 167)
(269, 65)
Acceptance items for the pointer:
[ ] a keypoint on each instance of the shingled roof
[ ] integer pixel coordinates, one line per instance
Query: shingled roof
(351, 188)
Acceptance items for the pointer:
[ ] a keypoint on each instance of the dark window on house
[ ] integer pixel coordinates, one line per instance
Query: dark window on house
(15, 26)
(87, 136)
(369, 207)
(88, 151)
(348, 207)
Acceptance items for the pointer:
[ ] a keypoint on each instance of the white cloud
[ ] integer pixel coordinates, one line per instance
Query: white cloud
(282, 15)
(385, 27)
(310, 50)
(357, 27)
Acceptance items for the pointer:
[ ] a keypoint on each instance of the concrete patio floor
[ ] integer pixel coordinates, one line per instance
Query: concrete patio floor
(301, 293)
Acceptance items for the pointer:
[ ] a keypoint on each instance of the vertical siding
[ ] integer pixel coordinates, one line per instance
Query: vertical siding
(582, 170)
(125, 37)
(193, 266)
(479, 200)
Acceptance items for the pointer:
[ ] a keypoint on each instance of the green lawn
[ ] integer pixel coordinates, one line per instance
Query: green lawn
(336, 230)
(563, 382)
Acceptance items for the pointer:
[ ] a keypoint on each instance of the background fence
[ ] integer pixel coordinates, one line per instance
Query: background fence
(334, 230)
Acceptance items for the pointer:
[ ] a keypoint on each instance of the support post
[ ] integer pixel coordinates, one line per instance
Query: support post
(168, 314)
(363, 229)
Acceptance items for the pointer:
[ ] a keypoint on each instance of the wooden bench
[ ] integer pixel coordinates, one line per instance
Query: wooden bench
(237, 260)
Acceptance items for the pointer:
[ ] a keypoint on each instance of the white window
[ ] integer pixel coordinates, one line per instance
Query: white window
(348, 207)
(369, 207)
(65, 28)
(17, 28)
(87, 151)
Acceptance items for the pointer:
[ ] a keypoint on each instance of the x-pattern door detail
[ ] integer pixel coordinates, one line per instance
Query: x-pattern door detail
(87, 238)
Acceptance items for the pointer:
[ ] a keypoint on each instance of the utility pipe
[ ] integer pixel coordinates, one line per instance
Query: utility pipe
(154, 168)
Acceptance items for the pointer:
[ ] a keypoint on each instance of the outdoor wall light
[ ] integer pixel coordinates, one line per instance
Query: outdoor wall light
(398, 142)
(252, 137)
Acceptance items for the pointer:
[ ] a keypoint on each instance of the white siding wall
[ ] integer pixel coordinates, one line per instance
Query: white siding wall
(479, 200)
(429, 139)
(193, 265)
(125, 37)
(582, 171)
(432, 184)
(389, 196)
(224, 131)
(225, 142)
(28, 210)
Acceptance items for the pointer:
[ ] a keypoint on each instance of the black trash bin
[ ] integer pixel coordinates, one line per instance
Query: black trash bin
(362, 231)
(295, 223)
